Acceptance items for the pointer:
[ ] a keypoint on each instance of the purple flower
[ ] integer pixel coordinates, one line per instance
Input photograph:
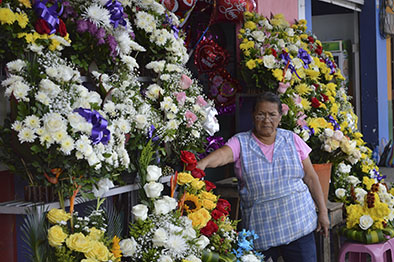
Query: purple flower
(305, 57)
(112, 45)
(101, 41)
(100, 34)
(82, 26)
(92, 28)
(68, 10)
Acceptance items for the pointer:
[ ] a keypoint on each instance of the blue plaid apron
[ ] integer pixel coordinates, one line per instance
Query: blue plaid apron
(275, 202)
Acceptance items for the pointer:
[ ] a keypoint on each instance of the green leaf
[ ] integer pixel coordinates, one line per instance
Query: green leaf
(35, 148)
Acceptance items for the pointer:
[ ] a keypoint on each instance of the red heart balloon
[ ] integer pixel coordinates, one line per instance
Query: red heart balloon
(171, 5)
(210, 56)
(230, 10)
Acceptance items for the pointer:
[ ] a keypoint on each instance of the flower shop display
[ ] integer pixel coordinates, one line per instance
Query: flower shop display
(81, 105)
(290, 61)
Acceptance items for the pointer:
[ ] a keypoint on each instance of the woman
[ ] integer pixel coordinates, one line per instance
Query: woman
(275, 173)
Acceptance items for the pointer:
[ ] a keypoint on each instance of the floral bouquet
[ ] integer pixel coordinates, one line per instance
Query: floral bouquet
(288, 60)
(61, 236)
(369, 209)
(210, 215)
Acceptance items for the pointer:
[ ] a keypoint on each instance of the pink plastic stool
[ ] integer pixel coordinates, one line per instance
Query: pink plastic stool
(381, 252)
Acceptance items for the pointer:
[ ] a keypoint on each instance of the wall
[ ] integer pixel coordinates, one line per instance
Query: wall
(289, 8)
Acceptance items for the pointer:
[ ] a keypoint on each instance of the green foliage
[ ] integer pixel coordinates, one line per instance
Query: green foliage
(64, 255)
(34, 237)
(140, 228)
(150, 255)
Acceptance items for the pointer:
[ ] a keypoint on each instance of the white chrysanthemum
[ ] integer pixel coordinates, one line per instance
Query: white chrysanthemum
(157, 66)
(50, 88)
(32, 121)
(130, 62)
(83, 146)
(176, 244)
(54, 122)
(145, 21)
(46, 139)
(10, 80)
(124, 41)
(165, 77)
(172, 124)
(36, 48)
(17, 125)
(16, 65)
(26, 135)
(59, 136)
(67, 145)
(19, 90)
(166, 103)
(123, 125)
(98, 15)
(154, 91)
(137, 47)
(141, 121)
(249, 258)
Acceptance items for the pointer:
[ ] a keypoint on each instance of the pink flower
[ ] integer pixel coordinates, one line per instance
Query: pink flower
(285, 109)
(190, 117)
(297, 99)
(180, 97)
(185, 82)
(200, 101)
(301, 120)
(283, 87)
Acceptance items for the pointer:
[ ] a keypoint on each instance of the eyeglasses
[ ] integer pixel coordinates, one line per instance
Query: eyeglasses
(270, 116)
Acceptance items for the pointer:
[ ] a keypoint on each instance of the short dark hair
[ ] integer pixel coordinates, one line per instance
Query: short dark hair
(268, 97)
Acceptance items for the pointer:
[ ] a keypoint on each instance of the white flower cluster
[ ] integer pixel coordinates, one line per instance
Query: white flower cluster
(174, 237)
(55, 123)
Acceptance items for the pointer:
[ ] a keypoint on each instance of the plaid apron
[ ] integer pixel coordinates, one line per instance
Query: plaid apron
(275, 202)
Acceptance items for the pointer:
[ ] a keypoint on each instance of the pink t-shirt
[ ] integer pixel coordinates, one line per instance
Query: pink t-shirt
(302, 148)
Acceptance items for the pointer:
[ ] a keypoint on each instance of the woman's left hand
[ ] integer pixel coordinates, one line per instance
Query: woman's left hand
(323, 223)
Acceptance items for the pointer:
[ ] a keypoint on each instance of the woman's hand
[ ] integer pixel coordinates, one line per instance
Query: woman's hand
(323, 223)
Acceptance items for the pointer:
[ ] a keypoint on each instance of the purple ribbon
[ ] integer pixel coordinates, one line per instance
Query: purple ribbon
(287, 60)
(50, 15)
(116, 10)
(214, 142)
(100, 133)
(334, 123)
(305, 57)
(173, 27)
(377, 175)
(330, 65)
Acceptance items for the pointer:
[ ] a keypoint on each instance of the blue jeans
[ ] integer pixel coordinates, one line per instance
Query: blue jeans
(300, 250)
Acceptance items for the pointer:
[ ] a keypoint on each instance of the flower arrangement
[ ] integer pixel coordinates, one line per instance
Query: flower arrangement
(370, 208)
(288, 60)
(58, 235)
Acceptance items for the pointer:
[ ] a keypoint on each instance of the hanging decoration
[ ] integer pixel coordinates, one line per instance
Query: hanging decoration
(209, 56)
(223, 89)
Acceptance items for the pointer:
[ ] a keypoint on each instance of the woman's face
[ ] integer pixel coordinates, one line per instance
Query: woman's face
(266, 119)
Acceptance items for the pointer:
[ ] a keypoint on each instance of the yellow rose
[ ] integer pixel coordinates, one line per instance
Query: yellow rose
(184, 178)
(56, 215)
(79, 242)
(56, 236)
(208, 195)
(197, 184)
(208, 204)
(200, 218)
(95, 234)
(98, 251)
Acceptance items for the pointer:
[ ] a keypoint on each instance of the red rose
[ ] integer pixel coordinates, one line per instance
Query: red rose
(315, 102)
(311, 39)
(217, 214)
(209, 185)
(274, 52)
(223, 205)
(189, 159)
(198, 173)
(62, 28)
(209, 229)
(42, 27)
(325, 98)
(319, 49)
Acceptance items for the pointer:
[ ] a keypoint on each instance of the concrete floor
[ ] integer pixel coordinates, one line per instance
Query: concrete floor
(389, 173)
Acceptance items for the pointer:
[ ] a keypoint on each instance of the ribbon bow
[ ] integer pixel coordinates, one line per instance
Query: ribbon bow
(49, 14)
(116, 10)
(100, 133)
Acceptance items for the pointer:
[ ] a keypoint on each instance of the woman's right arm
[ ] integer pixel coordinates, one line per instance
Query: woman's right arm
(219, 157)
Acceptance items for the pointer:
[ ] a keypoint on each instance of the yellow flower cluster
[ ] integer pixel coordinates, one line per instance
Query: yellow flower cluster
(7, 16)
